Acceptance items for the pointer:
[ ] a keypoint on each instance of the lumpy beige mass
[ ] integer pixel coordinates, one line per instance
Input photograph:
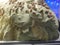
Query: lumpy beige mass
(25, 20)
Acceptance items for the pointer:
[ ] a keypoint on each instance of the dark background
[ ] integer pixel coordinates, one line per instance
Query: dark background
(59, 25)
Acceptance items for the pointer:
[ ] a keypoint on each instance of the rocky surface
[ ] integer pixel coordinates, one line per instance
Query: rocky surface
(27, 20)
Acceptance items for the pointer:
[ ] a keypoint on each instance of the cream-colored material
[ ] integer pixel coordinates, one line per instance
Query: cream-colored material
(27, 21)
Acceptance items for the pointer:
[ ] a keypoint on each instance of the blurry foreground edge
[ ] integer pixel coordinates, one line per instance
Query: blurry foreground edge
(29, 42)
